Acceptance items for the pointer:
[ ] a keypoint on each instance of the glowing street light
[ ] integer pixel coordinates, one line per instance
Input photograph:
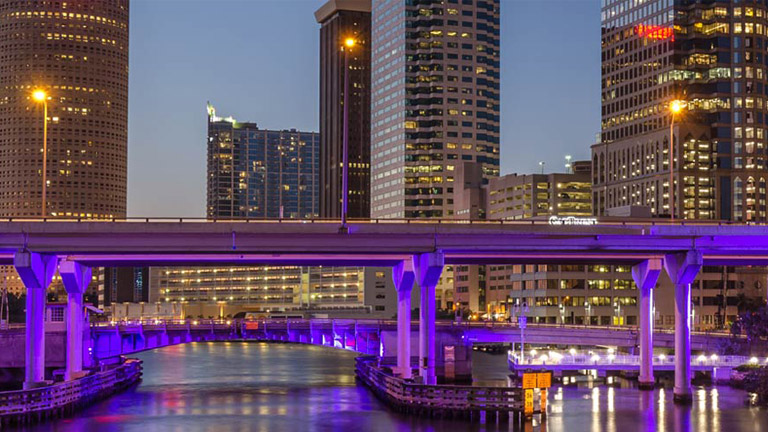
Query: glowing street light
(349, 43)
(675, 107)
(41, 96)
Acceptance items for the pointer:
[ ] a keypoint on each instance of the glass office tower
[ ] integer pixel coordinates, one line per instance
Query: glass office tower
(435, 93)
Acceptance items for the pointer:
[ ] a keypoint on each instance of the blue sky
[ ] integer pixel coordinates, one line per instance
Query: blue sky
(257, 60)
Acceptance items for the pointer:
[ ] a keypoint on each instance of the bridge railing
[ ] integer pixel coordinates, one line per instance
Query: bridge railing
(552, 358)
(599, 221)
(466, 325)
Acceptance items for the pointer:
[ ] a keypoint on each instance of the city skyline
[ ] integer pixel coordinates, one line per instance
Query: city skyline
(170, 85)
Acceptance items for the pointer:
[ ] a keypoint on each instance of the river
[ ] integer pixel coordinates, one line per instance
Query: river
(239, 386)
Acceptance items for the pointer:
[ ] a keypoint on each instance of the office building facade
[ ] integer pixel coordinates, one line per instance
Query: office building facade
(489, 289)
(710, 56)
(259, 173)
(341, 20)
(435, 101)
(265, 174)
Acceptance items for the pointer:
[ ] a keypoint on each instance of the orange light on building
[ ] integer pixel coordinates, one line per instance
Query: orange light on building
(655, 32)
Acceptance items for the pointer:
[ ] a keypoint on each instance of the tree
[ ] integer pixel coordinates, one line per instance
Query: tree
(754, 325)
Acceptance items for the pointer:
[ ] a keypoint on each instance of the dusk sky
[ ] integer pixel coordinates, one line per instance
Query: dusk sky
(257, 60)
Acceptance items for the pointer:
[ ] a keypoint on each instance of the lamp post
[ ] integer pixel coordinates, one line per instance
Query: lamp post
(675, 107)
(349, 43)
(588, 313)
(522, 322)
(41, 97)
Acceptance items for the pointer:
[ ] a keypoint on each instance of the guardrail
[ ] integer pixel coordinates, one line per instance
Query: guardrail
(439, 400)
(553, 359)
(24, 406)
(491, 325)
(600, 222)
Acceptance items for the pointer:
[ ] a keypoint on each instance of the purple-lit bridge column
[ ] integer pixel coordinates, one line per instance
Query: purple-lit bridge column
(403, 276)
(36, 271)
(646, 274)
(75, 278)
(682, 270)
(428, 268)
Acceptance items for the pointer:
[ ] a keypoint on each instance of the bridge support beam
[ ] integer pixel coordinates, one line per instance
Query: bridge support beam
(682, 270)
(646, 274)
(76, 278)
(403, 276)
(428, 268)
(36, 271)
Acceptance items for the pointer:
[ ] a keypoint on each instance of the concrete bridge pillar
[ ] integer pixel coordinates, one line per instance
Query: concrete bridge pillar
(428, 268)
(36, 271)
(646, 274)
(76, 278)
(682, 270)
(403, 277)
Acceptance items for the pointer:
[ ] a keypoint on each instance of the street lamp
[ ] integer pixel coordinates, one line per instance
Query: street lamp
(675, 107)
(40, 96)
(588, 313)
(349, 43)
(522, 322)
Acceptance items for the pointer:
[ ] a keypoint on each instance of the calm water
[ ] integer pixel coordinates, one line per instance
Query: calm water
(236, 386)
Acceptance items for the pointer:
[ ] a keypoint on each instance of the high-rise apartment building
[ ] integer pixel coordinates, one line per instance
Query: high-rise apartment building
(435, 101)
(76, 51)
(266, 174)
(710, 56)
(341, 20)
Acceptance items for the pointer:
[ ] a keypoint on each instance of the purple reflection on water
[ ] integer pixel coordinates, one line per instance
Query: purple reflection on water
(233, 387)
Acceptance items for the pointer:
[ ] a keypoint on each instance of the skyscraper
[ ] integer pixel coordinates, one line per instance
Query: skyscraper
(710, 55)
(77, 52)
(267, 174)
(435, 101)
(340, 20)
(260, 173)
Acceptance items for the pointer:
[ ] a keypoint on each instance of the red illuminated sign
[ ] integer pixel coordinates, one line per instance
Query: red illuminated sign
(655, 32)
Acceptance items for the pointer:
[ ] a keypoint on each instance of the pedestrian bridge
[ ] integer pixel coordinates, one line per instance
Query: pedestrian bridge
(608, 361)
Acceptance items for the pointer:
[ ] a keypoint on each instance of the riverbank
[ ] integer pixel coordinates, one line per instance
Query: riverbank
(61, 399)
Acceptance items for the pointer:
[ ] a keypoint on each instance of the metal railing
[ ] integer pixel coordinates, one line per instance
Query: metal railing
(581, 360)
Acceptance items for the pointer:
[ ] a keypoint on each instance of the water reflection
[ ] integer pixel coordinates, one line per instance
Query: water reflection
(270, 387)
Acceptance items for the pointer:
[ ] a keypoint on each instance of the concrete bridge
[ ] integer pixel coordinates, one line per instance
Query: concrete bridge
(366, 336)
(417, 251)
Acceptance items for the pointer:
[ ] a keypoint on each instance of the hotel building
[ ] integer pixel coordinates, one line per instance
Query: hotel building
(710, 56)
